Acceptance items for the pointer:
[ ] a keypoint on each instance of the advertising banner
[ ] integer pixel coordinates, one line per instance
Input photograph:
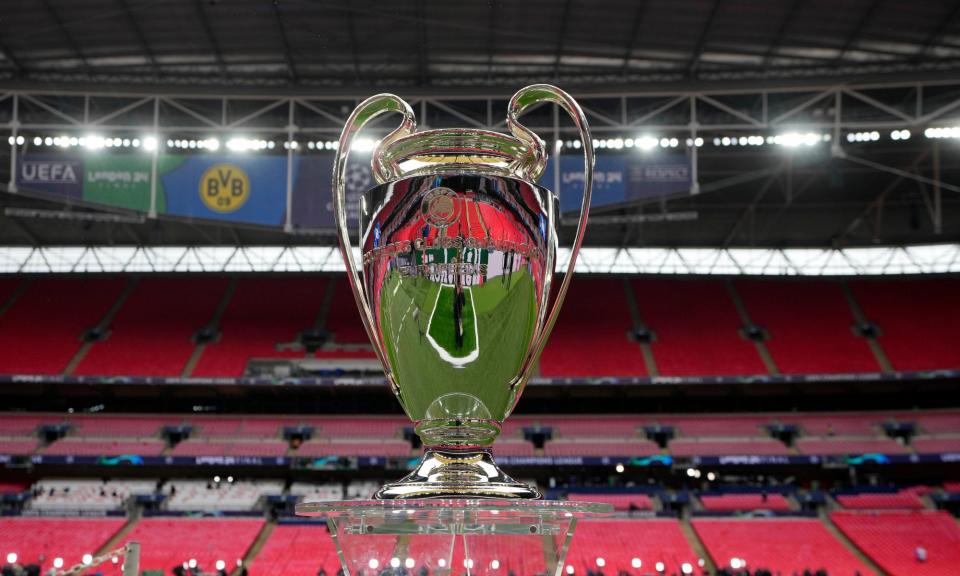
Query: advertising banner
(313, 191)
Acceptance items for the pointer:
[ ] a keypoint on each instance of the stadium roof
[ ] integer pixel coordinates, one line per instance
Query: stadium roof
(720, 69)
(437, 43)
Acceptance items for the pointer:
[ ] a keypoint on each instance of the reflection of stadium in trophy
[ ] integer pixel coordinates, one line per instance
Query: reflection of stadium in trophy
(458, 251)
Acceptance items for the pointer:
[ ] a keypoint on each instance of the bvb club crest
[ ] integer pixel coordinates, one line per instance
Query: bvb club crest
(440, 207)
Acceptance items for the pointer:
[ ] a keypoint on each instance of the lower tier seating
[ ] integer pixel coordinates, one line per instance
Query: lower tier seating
(783, 546)
(297, 550)
(42, 540)
(620, 502)
(619, 542)
(169, 542)
(736, 502)
(897, 501)
(891, 539)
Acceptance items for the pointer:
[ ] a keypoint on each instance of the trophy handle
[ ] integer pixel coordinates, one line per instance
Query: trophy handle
(361, 115)
(522, 101)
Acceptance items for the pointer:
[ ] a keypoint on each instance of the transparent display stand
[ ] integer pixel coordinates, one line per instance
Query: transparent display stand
(453, 537)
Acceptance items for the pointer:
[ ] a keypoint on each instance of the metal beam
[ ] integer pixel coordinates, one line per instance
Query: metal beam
(421, 45)
(781, 32)
(71, 42)
(757, 197)
(564, 17)
(9, 57)
(287, 54)
(354, 46)
(208, 30)
(702, 39)
(141, 37)
(858, 29)
(634, 31)
(939, 31)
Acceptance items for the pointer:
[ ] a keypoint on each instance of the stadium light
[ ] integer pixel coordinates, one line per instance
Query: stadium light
(394, 562)
(192, 563)
(114, 560)
(601, 562)
(619, 468)
(373, 563)
(468, 563)
(686, 568)
(495, 565)
(441, 562)
(221, 565)
(409, 563)
(12, 558)
(87, 559)
(660, 566)
(636, 563)
(735, 563)
(569, 569)
(58, 562)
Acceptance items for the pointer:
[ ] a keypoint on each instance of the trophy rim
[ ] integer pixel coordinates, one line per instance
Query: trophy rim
(483, 506)
(491, 152)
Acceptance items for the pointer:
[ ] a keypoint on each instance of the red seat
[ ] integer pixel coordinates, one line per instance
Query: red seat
(783, 546)
(892, 538)
(41, 540)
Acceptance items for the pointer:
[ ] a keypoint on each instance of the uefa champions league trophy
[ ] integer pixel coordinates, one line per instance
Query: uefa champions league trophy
(458, 246)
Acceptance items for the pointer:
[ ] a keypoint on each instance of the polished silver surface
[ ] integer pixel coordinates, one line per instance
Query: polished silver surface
(458, 249)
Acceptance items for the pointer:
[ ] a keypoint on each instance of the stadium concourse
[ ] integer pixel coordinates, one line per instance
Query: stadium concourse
(756, 365)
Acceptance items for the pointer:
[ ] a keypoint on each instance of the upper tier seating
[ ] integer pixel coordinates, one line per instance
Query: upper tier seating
(713, 425)
(311, 492)
(618, 542)
(783, 546)
(297, 550)
(263, 315)
(42, 540)
(892, 538)
(104, 447)
(727, 447)
(684, 314)
(70, 494)
(590, 337)
(18, 446)
(809, 324)
(848, 445)
(343, 317)
(241, 495)
(735, 502)
(151, 333)
(169, 542)
(918, 319)
(871, 501)
(620, 502)
(635, 447)
(42, 331)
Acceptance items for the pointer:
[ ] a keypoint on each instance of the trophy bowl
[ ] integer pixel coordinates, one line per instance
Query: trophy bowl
(458, 248)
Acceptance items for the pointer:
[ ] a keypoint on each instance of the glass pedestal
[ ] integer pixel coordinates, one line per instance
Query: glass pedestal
(453, 537)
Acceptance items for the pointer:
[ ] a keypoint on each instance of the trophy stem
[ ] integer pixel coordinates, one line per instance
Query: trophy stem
(457, 473)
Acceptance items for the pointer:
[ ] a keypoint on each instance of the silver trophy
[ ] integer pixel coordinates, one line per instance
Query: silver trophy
(458, 249)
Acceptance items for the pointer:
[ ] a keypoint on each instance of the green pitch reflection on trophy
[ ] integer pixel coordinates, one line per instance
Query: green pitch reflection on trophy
(458, 248)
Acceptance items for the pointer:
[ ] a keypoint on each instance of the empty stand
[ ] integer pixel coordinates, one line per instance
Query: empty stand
(685, 315)
(343, 317)
(590, 338)
(918, 319)
(61, 495)
(809, 323)
(783, 546)
(738, 502)
(871, 501)
(264, 319)
(219, 496)
(935, 444)
(169, 542)
(839, 445)
(717, 425)
(620, 502)
(297, 550)
(42, 331)
(892, 538)
(18, 446)
(618, 542)
(42, 540)
(151, 333)
(104, 447)
(727, 447)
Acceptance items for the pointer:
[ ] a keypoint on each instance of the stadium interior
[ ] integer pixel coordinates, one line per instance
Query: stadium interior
(757, 362)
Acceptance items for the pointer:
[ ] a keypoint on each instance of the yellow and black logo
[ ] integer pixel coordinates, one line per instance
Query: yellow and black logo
(224, 187)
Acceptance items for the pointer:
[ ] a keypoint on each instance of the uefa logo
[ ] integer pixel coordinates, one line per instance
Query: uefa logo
(440, 207)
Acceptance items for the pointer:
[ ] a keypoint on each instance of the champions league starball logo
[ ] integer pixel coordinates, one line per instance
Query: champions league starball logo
(359, 179)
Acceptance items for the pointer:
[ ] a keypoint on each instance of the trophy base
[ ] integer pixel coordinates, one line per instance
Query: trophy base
(452, 473)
